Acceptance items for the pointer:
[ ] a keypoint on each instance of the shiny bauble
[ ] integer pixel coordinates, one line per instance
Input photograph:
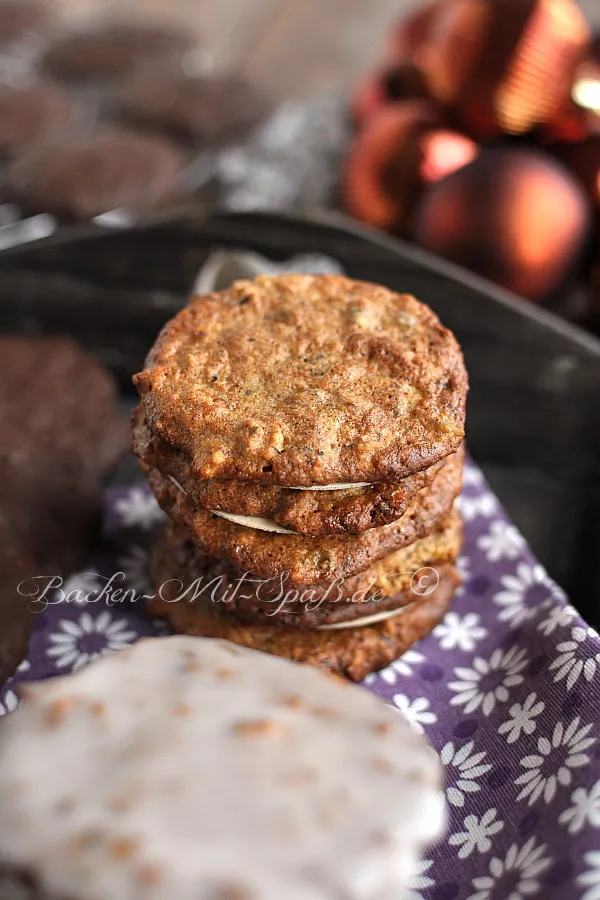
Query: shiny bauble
(404, 147)
(504, 66)
(515, 216)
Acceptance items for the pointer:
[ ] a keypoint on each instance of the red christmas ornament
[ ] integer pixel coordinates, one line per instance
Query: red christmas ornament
(412, 31)
(504, 65)
(584, 161)
(403, 148)
(402, 81)
(579, 117)
(514, 216)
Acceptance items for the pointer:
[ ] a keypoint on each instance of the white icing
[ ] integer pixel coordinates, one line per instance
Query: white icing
(373, 619)
(333, 487)
(253, 522)
(177, 485)
(188, 767)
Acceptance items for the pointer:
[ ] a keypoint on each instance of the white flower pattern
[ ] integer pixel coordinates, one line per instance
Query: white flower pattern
(477, 833)
(482, 505)
(77, 643)
(416, 711)
(591, 878)
(502, 541)
(460, 633)
(472, 476)
(516, 607)
(516, 876)
(135, 566)
(139, 508)
(504, 707)
(420, 881)
(9, 702)
(403, 666)
(78, 586)
(488, 681)
(558, 617)
(584, 809)
(468, 768)
(573, 660)
(552, 766)
(463, 567)
(522, 718)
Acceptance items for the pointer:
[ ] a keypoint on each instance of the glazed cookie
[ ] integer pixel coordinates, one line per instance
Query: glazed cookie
(309, 512)
(310, 560)
(315, 788)
(303, 380)
(396, 580)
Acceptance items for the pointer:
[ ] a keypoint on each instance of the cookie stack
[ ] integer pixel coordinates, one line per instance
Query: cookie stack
(304, 435)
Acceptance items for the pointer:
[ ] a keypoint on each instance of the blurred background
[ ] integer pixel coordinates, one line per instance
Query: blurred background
(292, 47)
(468, 127)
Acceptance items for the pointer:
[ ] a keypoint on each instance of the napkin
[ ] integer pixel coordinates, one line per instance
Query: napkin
(507, 688)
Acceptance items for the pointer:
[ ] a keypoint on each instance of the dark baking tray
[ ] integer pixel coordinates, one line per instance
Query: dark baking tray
(534, 406)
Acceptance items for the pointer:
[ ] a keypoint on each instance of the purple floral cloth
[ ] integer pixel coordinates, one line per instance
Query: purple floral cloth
(507, 689)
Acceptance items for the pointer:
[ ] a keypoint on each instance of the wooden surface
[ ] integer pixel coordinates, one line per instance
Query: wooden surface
(294, 47)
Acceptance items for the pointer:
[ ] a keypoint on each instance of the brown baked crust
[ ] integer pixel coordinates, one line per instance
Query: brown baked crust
(300, 380)
(353, 653)
(311, 560)
(395, 581)
(311, 513)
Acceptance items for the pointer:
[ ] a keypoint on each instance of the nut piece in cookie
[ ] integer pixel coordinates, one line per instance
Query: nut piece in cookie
(315, 788)
(31, 112)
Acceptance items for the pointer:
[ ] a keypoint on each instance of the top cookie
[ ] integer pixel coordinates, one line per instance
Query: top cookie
(304, 380)
(195, 768)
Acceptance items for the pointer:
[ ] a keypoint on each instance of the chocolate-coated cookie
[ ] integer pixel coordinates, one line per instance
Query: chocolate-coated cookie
(194, 109)
(117, 50)
(24, 20)
(31, 112)
(78, 177)
(62, 432)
